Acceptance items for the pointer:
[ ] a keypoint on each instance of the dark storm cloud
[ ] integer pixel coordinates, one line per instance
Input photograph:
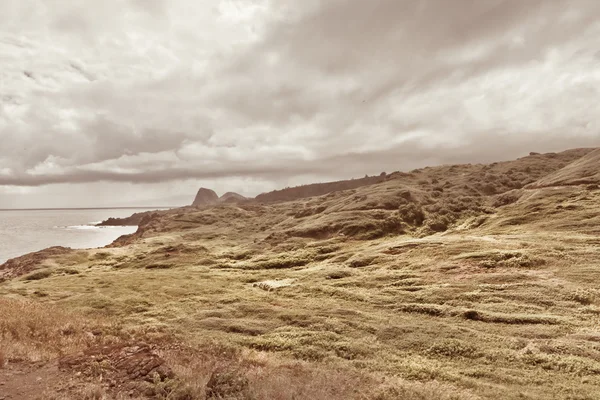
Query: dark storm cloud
(142, 92)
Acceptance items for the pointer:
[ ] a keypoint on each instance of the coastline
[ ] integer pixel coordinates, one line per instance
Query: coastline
(130, 230)
(32, 230)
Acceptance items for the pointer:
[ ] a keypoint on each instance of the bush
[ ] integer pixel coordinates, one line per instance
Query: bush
(338, 274)
(438, 223)
(488, 189)
(361, 262)
(227, 383)
(581, 296)
(412, 214)
(453, 348)
(283, 262)
(159, 266)
(505, 259)
(433, 310)
(69, 271)
(37, 275)
(421, 391)
(507, 199)
(510, 319)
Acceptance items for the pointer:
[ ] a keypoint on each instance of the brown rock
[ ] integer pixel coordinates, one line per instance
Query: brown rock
(122, 363)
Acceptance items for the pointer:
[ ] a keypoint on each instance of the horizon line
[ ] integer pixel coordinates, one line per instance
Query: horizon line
(87, 208)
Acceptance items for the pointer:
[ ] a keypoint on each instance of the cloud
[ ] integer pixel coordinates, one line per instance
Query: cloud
(136, 92)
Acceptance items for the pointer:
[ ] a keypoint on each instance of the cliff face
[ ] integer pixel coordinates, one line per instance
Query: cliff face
(205, 197)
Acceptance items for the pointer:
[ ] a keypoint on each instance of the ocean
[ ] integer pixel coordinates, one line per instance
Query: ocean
(26, 231)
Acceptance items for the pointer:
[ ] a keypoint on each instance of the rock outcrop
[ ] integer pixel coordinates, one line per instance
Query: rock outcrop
(29, 262)
(205, 197)
(124, 364)
(133, 220)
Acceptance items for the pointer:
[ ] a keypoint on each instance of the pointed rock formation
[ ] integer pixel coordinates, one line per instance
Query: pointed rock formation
(205, 197)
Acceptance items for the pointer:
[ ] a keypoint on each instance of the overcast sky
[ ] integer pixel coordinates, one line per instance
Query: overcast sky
(137, 102)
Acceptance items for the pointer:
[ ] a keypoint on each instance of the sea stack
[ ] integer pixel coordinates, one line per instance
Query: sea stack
(205, 197)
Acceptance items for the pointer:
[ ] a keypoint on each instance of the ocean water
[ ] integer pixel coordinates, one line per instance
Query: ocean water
(26, 231)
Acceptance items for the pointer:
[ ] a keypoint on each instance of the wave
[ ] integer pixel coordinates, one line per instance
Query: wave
(90, 227)
(82, 227)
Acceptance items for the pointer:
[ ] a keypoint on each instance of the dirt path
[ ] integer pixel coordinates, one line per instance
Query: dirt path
(28, 382)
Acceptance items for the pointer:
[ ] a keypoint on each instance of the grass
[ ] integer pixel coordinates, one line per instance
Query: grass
(426, 319)
(37, 332)
(419, 287)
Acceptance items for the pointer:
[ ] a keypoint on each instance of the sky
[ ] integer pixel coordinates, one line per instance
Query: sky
(141, 102)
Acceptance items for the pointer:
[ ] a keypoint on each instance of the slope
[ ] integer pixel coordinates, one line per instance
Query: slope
(585, 171)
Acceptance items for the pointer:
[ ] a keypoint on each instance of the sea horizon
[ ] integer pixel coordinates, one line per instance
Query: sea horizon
(90, 208)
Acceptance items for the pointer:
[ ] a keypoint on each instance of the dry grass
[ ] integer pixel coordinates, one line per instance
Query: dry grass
(582, 171)
(221, 372)
(31, 331)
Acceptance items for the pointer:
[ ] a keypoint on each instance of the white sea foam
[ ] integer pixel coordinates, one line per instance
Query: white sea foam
(81, 227)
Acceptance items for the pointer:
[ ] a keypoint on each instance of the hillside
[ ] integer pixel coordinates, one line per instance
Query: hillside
(448, 282)
(584, 171)
(488, 179)
(317, 189)
(232, 197)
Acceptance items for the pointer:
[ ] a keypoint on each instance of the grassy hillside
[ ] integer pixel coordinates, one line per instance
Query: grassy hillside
(583, 171)
(452, 282)
(317, 189)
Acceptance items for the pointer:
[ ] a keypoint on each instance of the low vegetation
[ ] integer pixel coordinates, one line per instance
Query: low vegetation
(455, 282)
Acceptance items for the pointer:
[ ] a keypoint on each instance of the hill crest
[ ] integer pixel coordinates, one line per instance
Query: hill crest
(584, 171)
